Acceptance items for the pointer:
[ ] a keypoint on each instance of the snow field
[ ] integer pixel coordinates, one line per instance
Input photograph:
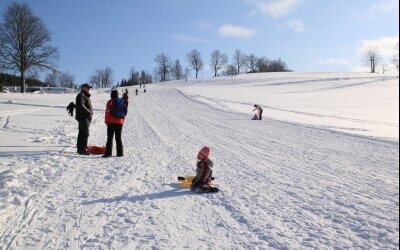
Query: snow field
(283, 185)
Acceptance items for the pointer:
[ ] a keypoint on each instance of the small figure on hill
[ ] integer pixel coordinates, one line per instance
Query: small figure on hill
(71, 106)
(260, 111)
(204, 170)
(144, 91)
(137, 91)
(116, 110)
(255, 117)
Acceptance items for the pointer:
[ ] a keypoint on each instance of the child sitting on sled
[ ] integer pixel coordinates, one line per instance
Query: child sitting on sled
(255, 117)
(202, 181)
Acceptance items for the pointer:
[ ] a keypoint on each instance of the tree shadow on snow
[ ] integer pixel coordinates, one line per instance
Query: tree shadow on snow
(171, 193)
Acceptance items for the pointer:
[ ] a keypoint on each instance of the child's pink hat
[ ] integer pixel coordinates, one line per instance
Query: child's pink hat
(204, 153)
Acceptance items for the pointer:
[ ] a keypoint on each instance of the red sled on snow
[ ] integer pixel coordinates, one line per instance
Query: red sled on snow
(96, 150)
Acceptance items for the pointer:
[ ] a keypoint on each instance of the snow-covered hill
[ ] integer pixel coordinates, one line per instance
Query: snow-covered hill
(291, 181)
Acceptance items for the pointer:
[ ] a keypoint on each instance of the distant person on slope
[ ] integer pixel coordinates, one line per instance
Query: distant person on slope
(202, 181)
(260, 111)
(71, 106)
(84, 114)
(116, 110)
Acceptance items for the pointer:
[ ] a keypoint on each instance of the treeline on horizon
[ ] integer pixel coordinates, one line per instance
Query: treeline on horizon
(12, 80)
(19, 26)
(168, 69)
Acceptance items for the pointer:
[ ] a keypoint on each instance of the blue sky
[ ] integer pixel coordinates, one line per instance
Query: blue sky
(309, 35)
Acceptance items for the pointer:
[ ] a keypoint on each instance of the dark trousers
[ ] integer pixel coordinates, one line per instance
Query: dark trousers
(71, 112)
(117, 130)
(260, 116)
(83, 135)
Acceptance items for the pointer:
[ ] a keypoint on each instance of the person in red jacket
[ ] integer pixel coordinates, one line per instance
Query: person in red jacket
(115, 113)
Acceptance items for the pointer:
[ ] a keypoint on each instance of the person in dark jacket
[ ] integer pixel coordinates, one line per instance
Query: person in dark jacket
(115, 122)
(259, 109)
(84, 114)
(70, 108)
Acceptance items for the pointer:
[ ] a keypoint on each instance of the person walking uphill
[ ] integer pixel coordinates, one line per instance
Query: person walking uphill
(84, 114)
(116, 110)
(260, 111)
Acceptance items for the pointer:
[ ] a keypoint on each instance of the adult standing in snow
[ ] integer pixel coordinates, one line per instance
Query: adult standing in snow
(84, 114)
(260, 110)
(116, 110)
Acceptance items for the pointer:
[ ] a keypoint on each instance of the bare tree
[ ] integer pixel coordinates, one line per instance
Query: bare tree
(177, 71)
(395, 59)
(67, 80)
(263, 64)
(24, 42)
(239, 59)
(103, 78)
(163, 66)
(134, 78)
(277, 66)
(145, 77)
(95, 79)
(107, 77)
(251, 63)
(218, 61)
(187, 73)
(384, 67)
(372, 58)
(230, 70)
(195, 61)
(52, 78)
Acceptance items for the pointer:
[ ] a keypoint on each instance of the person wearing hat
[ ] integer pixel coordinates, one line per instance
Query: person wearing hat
(202, 182)
(84, 114)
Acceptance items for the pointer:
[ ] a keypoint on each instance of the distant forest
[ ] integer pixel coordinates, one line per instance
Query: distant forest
(11, 80)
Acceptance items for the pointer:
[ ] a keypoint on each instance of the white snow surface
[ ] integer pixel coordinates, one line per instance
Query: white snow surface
(320, 171)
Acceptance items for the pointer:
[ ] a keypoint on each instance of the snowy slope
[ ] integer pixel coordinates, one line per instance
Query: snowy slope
(283, 185)
(358, 103)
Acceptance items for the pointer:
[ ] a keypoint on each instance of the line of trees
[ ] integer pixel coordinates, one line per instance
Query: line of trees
(168, 69)
(136, 78)
(12, 80)
(61, 79)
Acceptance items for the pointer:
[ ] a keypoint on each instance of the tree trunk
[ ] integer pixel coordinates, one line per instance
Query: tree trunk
(22, 82)
(373, 66)
(197, 72)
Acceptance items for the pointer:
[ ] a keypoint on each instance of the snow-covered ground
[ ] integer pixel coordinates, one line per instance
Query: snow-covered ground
(362, 103)
(294, 180)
